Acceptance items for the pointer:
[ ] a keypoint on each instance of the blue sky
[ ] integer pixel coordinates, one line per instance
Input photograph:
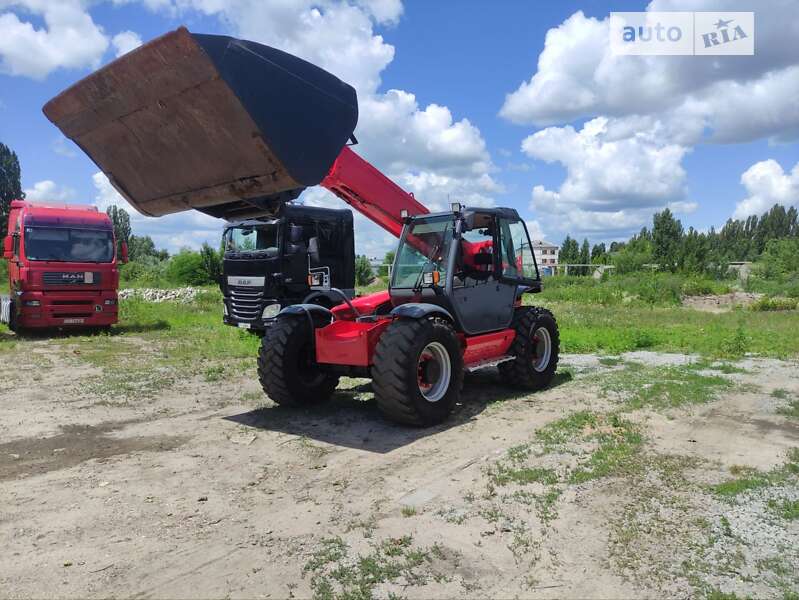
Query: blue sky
(454, 104)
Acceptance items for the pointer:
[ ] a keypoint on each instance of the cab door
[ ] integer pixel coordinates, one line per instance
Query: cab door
(516, 257)
(482, 301)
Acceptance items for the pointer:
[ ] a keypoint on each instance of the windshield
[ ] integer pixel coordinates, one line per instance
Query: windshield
(69, 245)
(251, 239)
(423, 249)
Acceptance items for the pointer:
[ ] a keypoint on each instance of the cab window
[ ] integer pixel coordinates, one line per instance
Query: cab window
(516, 254)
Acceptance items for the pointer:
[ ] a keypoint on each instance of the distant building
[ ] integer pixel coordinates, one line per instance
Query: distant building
(546, 254)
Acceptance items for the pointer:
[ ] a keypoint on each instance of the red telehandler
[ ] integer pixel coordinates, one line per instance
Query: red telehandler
(235, 129)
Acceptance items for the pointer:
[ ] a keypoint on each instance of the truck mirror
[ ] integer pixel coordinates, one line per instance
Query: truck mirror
(295, 234)
(124, 250)
(8, 247)
(313, 250)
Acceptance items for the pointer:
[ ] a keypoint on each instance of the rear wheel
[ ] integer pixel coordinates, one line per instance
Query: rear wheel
(418, 371)
(536, 347)
(288, 373)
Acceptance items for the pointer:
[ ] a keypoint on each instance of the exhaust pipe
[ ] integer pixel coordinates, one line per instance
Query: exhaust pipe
(221, 125)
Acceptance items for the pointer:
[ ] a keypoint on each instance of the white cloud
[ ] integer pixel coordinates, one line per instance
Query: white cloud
(69, 39)
(767, 184)
(125, 41)
(577, 76)
(535, 230)
(172, 232)
(49, 191)
(610, 182)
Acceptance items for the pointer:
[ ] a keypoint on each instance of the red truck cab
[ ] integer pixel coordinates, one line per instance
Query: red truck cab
(62, 267)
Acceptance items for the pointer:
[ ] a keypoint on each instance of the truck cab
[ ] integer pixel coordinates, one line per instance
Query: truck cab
(267, 262)
(62, 267)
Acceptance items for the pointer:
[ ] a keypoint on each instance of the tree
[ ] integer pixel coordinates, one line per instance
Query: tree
(388, 259)
(188, 267)
(363, 271)
(212, 262)
(585, 256)
(10, 185)
(667, 236)
(121, 222)
(599, 254)
(141, 248)
(569, 251)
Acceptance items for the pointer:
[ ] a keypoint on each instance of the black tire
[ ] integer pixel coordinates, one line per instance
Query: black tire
(396, 377)
(286, 369)
(523, 371)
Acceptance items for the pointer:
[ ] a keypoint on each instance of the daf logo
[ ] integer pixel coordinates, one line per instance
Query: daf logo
(244, 282)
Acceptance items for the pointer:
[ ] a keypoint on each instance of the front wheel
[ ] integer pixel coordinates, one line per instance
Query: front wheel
(536, 348)
(287, 369)
(418, 371)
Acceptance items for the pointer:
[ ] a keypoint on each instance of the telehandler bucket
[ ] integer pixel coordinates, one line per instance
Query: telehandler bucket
(229, 127)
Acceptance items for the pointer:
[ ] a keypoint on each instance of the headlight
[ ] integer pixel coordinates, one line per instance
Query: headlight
(270, 312)
(109, 302)
(32, 303)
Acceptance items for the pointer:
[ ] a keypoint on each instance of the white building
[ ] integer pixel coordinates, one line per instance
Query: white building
(546, 254)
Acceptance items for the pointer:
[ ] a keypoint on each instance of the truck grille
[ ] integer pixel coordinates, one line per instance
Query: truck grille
(245, 303)
(70, 277)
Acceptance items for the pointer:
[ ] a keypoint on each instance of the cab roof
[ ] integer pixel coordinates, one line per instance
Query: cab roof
(61, 215)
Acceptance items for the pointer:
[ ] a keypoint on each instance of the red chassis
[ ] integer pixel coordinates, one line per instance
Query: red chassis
(349, 342)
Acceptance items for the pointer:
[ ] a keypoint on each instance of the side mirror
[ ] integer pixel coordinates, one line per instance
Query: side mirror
(295, 234)
(8, 247)
(124, 249)
(313, 250)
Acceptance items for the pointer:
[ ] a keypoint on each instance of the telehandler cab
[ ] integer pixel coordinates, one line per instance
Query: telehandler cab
(236, 129)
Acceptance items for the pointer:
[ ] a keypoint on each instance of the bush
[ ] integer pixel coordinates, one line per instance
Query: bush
(188, 268)
(144, 273)
(767, 303)
(696, 286)
(363, 271)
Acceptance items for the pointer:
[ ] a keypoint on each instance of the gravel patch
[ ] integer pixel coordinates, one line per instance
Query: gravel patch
(183, 295)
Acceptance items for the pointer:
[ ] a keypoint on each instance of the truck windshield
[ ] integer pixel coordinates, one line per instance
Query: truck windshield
(423, 248)
(251, 239)
(63, 244)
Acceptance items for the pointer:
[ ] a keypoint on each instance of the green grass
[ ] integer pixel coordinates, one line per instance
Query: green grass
(787, 509)
(753, 479)
(661, 388)
(337, 575)
(587, 328)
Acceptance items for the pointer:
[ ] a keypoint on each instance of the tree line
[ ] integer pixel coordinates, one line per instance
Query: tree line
(668, 246)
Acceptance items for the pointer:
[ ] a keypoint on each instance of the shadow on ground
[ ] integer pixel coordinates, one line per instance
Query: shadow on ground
(55, 333)
(352, 421)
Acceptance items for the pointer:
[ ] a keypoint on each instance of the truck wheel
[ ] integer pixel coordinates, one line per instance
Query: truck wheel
(418, 371)
(536, 347)
(288, 373)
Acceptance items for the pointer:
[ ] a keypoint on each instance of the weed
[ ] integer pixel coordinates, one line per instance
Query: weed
(737, 344)
(408, 511)
(767, 303)
(610, 361)
(780, 394)
(787, 509)
(335, 574)
(662, 387)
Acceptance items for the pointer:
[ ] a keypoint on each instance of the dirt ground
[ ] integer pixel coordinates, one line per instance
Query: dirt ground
(207, 489)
